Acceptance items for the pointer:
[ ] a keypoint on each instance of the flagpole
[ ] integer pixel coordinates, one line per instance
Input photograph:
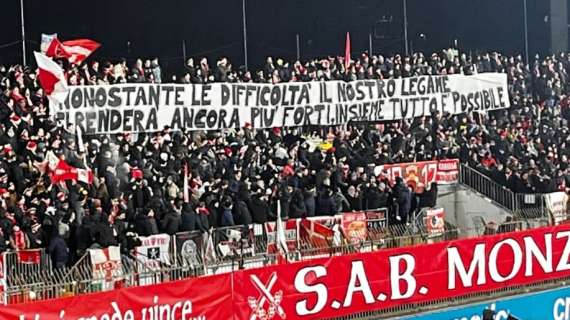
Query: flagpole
(406, 25)
(23, 32)
(298, 47)
(244, 36)
(370, 44)
(525, 32)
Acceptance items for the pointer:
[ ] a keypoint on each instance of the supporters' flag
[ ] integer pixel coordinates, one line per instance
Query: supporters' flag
(46, 41)
(186, 195)
(63, 172)
(318, 235)
(78, 50)
(280, 239)
(29, 256)
(189, 247)
(435, 221)
(55, 49)
(52, 78)
(106, 261)
(154, 251)
(347, 52)
(209, 249)
(354, 227)
(75, 51)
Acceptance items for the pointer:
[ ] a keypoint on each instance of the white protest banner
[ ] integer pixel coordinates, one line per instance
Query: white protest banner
(151, 107)
(557, 205)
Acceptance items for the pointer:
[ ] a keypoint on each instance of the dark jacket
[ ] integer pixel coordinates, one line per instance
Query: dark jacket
(170, 223)
(326, 205)
(58, 252)
(297, 207)
(310, 203)
(259, 209)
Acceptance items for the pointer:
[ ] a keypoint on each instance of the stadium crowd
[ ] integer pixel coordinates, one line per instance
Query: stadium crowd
(237, 176)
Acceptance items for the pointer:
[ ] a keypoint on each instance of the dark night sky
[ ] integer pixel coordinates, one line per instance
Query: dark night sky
(215, 26)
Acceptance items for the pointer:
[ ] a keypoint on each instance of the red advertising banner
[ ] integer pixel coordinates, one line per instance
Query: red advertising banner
(349, 284)
(421, 174)
(200, 298)
(331, 287)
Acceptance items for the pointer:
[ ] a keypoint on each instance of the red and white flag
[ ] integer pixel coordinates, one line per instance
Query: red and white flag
(46, 41)
(51, 78)
(347, 52)
(106, 262)
(280, 238)
(75, 51)
(63, 171)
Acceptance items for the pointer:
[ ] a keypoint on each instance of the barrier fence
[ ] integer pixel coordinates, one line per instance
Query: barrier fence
(377, 284)
(530, 207)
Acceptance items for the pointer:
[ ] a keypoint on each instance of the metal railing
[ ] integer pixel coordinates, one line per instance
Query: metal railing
(487, 187)
(48, 283)
(530, 207)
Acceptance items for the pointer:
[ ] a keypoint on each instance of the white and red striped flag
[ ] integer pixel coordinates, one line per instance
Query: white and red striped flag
(280, 238)
(51, 78)
(75, 51)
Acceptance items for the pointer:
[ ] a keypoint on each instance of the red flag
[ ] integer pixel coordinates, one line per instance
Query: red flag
(29, 256)
(55, 49)
(75, 51)
(64, 171)
(80, 49)
(318, 235)
(347, 52)
(51, 78)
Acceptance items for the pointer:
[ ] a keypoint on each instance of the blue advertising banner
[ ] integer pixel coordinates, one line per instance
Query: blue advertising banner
(552, 304)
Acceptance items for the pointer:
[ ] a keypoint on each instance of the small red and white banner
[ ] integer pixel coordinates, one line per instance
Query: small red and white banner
(435, 221)
(106, 262)
(291, 230)
(420, 174)
(31, 256)
(354, 227)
